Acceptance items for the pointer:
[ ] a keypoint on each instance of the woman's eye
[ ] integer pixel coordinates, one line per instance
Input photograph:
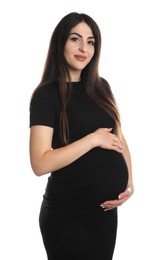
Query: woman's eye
(91, 42)
(74, 39)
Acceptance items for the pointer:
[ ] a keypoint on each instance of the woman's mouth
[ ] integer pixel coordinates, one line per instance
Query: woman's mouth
(80, 57)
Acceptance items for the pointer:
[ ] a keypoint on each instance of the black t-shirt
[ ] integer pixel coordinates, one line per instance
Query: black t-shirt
(100, 171)
(84, 115)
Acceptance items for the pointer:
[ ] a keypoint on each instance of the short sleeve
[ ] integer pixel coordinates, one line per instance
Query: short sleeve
(42, 109)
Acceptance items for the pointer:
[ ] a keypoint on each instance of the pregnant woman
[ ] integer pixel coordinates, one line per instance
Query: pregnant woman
(76, 136)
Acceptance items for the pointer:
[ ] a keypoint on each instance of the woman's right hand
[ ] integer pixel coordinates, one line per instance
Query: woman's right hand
(106, 140)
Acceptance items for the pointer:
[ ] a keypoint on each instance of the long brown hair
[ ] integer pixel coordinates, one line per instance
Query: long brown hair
(56, 69)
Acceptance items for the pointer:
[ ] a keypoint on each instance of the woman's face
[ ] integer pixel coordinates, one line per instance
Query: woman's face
(79, 49)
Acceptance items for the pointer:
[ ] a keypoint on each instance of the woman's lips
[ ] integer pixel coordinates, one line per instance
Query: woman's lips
(80, 57)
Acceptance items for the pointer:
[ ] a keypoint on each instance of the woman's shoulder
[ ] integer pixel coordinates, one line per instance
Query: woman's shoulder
(49, 91)
(104, 81)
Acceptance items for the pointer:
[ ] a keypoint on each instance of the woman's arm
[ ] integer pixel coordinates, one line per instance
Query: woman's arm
(45, 160)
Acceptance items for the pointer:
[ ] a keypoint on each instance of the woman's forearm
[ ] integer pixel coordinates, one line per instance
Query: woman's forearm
(56, 159)
(45, 160)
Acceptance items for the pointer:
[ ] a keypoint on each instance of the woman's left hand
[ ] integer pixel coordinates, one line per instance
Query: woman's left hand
(123, 197)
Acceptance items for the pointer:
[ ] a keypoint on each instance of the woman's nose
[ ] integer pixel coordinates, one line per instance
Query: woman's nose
(83, 47)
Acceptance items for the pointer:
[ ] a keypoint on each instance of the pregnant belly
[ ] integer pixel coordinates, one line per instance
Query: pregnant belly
(97, 176)
(110, 174)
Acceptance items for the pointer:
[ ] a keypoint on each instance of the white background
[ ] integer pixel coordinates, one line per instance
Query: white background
(132, 61)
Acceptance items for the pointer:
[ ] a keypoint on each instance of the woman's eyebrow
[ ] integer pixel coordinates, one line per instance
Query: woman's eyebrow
(90, 37)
